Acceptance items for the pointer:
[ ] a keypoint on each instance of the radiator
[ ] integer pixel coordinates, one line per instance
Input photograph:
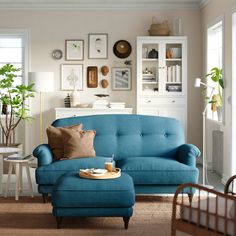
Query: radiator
(217, 152)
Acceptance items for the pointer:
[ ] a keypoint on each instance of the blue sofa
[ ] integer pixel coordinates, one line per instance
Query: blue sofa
(150, 149)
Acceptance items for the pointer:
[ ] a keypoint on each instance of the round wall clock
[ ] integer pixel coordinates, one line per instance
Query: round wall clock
(57, 54)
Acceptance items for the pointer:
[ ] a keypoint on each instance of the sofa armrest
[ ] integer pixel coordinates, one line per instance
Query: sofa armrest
(187, 154)
(44, 154)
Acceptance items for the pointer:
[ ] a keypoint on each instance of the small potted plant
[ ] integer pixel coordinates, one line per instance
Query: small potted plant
(216, 100)
(13, 100)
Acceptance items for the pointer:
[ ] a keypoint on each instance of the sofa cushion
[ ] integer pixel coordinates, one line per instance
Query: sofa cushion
(131, 135)
(48, 174)
(78, 143)
(55, 140)
(158, 170)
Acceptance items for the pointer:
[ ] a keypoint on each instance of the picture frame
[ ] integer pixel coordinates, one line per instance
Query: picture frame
(92, 77)
(98, 46)
(121, 78)
(71, 77)
(74, 50)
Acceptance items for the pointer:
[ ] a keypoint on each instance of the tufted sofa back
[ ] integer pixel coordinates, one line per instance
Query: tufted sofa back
(131, 135)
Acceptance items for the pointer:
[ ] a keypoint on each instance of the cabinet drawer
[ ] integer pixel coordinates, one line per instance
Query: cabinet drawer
(162, 101)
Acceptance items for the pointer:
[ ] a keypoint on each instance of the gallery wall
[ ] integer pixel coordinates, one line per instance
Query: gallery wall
(50, 28)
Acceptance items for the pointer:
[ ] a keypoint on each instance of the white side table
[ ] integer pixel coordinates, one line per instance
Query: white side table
(18, 165)
(5, 150)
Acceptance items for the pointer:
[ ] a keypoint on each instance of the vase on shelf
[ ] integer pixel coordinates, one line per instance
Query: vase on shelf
(75, 98)
(67, 101)
(153, 54)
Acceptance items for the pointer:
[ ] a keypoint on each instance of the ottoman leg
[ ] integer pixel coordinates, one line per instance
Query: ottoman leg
(126, 222)
(59, 221)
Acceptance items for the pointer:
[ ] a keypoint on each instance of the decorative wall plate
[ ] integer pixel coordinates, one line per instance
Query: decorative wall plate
(92, 76)
(57, 54)
(122, 48)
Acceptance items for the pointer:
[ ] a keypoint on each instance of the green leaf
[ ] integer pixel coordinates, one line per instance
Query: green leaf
(221, 82)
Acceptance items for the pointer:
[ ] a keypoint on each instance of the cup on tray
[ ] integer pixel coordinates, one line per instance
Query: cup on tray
(109, 164)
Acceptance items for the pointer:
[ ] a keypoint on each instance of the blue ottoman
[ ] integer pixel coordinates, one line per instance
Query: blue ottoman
(73, 196)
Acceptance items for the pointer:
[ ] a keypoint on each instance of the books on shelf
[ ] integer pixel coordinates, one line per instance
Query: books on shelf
(19, 156)
(100, 104)
(173, 74)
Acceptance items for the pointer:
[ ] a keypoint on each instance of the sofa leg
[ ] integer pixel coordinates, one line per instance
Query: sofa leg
(126, 222)
(59, 221)
(45, 196)
(190, 197)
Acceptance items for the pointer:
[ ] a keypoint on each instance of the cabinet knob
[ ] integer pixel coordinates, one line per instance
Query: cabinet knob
(161, 67)
(148, 101)
(173, 101)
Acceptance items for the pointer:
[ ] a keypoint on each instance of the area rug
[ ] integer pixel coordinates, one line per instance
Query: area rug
(152, 216)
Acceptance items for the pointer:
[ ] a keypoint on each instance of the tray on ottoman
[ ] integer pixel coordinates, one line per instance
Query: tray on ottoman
(74, 196)
(107, 175)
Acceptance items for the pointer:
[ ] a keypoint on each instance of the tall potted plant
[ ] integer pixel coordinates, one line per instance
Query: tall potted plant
(13, 99)
(216, 101)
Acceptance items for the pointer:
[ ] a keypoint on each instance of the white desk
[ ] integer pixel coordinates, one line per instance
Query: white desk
(5, 150)
(69, 112)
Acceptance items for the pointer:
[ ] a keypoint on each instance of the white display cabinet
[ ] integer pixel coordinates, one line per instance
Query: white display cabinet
(162, 77)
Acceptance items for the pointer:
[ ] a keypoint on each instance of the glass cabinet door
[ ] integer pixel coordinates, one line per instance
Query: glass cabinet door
(173, 64)
(150, 64)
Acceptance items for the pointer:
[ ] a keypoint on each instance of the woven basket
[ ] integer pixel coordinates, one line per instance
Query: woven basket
(159, 29)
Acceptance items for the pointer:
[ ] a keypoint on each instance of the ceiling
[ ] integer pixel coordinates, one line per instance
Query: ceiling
(102, 4)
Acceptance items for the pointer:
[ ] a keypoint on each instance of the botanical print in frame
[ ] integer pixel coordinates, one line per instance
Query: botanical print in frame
(71, 77)
(121, 78)
(98, 46)
(74, 50)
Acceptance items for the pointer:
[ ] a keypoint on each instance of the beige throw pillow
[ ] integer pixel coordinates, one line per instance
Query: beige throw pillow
(78, 143)
(55, 140)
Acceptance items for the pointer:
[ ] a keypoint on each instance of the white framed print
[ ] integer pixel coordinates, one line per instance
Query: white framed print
(98, 46)
(71, 77)
(121, 78)
(74, 50)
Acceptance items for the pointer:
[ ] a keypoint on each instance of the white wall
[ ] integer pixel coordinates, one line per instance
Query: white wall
(212, 11)
(49, 29)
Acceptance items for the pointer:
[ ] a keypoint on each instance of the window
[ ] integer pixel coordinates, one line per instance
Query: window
(214, 57)
(233, 92)
(14, 51)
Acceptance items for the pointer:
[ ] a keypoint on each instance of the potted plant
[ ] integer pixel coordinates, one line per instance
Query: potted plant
(216, 101)
(13, 100)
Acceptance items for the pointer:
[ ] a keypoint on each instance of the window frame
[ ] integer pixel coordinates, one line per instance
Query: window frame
(25, 35)
(216, 21)
(233, 93)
